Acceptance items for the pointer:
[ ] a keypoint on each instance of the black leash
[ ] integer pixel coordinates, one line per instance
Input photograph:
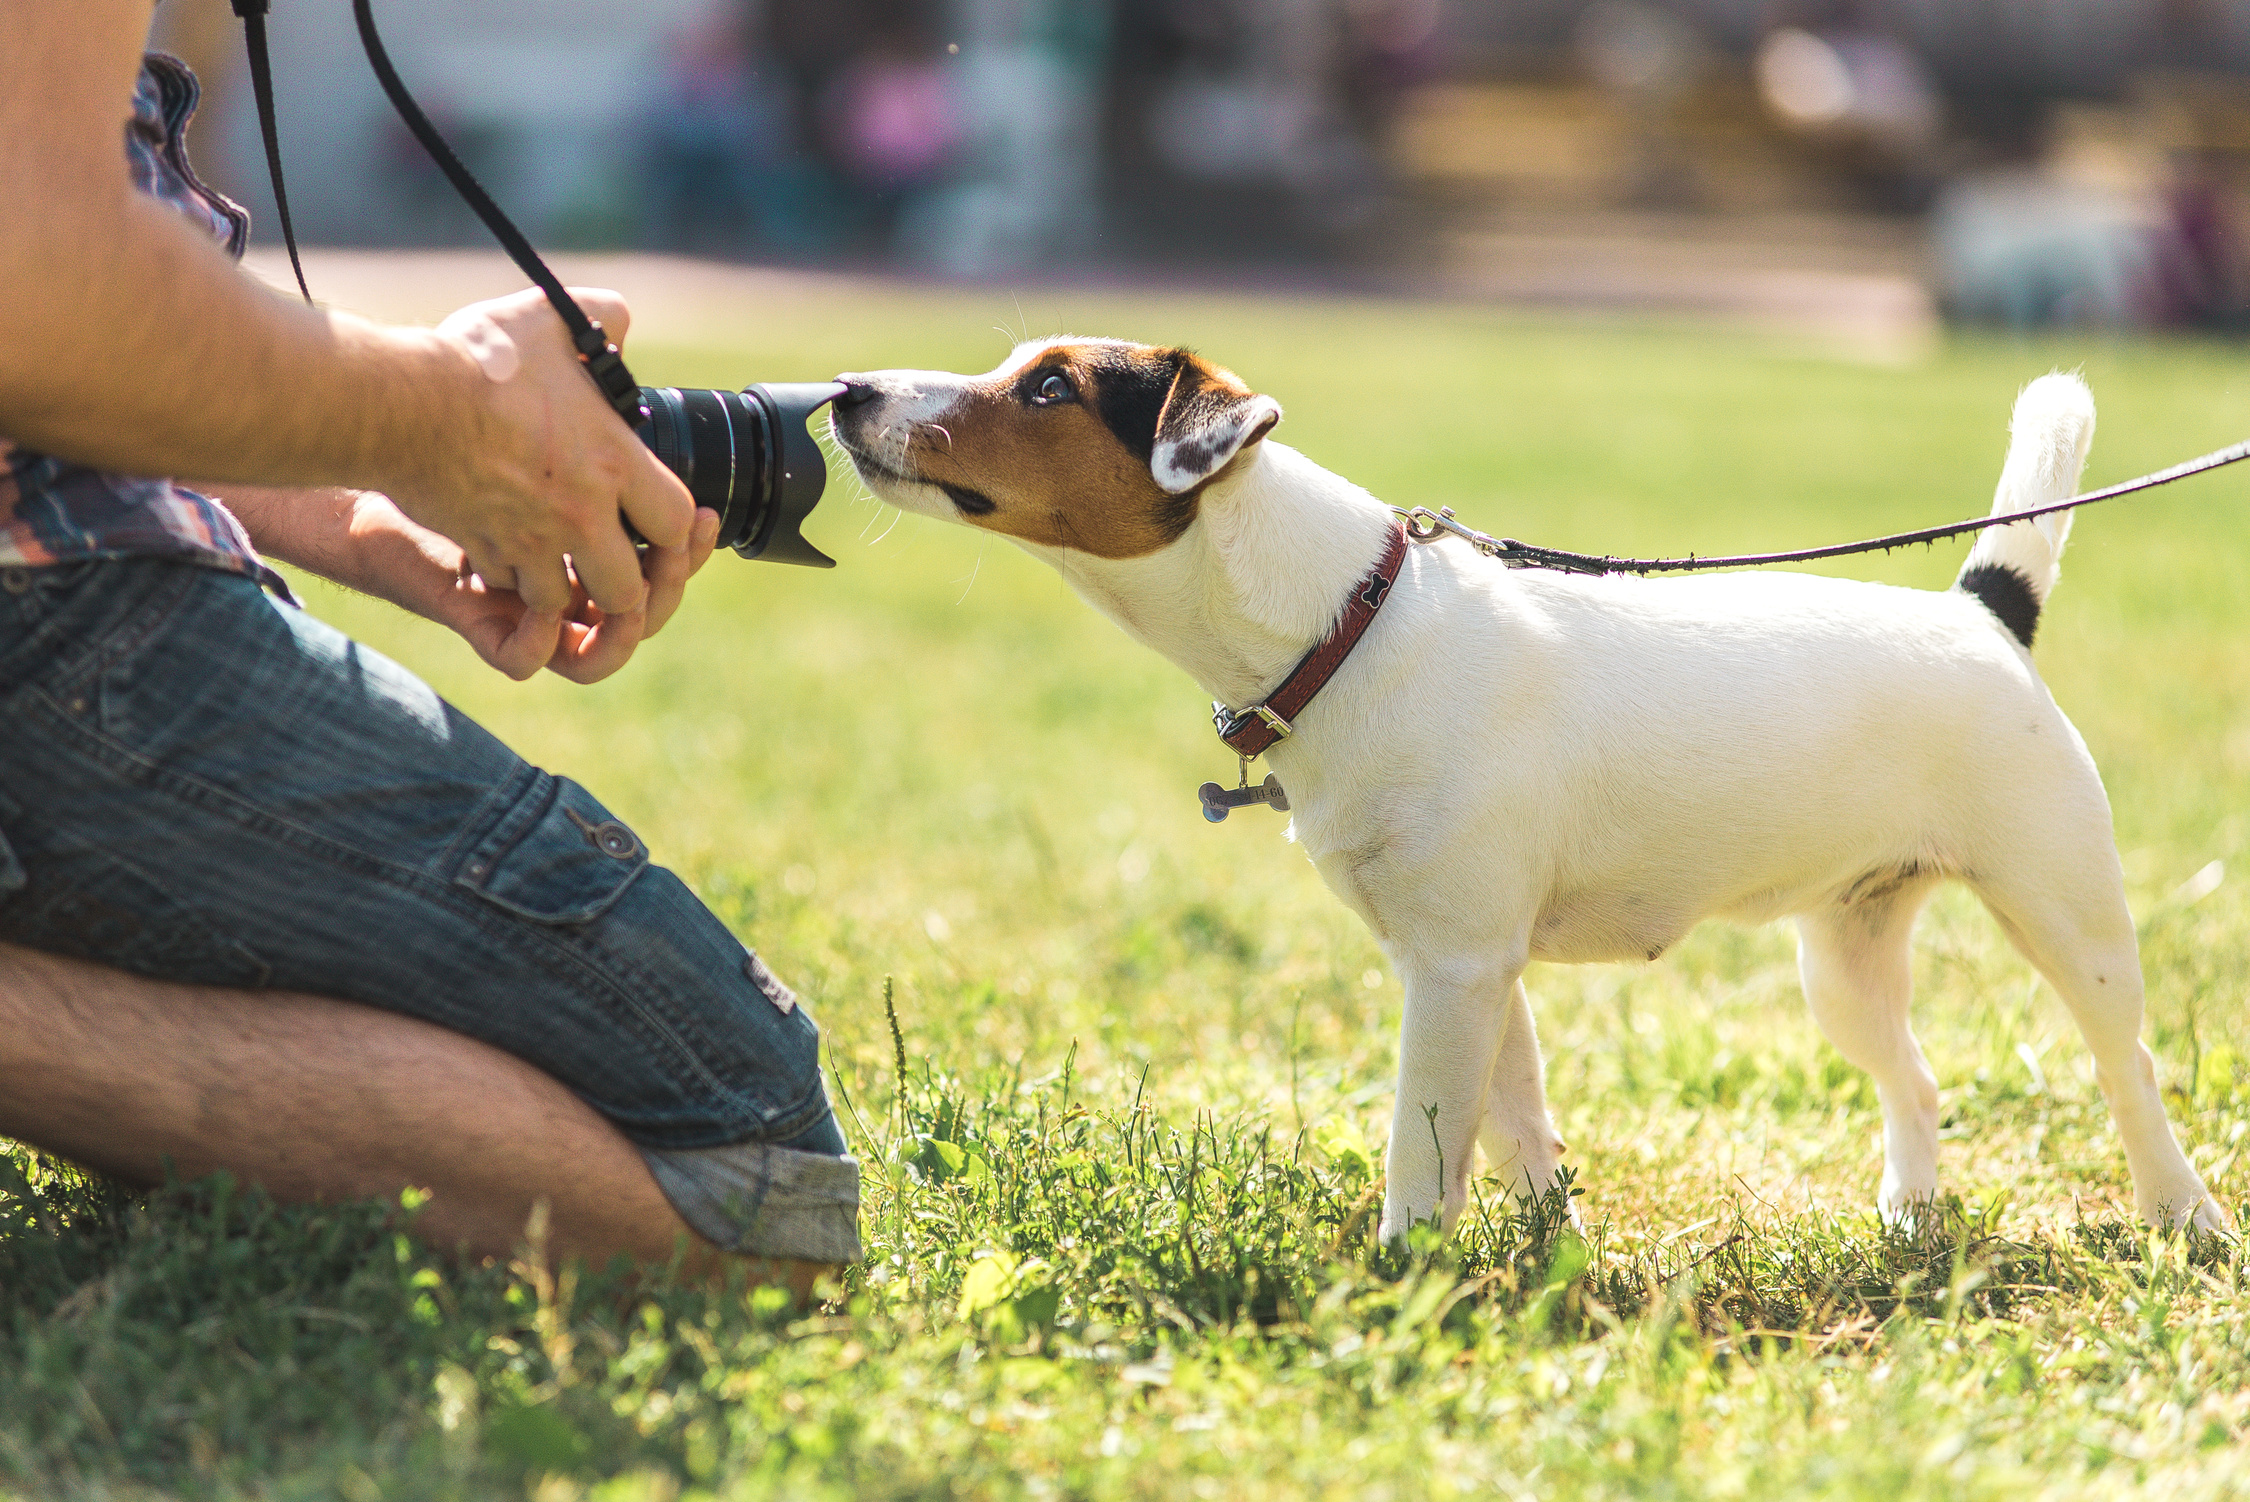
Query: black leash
(601, 358)
(1424, 525)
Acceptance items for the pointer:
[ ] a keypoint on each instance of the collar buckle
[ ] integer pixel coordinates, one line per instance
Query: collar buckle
(1231, 723)
(1274, 722)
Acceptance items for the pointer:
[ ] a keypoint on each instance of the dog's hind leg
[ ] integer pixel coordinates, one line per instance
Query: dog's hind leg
(1520, 1144)
(1853, 956)
(2068, 916)
(1457, 1015)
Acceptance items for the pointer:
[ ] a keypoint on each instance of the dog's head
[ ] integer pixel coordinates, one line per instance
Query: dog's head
(1094, 445)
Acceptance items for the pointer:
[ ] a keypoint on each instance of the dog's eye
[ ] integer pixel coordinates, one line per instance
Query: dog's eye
(1056, 388)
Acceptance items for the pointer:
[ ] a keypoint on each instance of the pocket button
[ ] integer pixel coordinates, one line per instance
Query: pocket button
(614, 840)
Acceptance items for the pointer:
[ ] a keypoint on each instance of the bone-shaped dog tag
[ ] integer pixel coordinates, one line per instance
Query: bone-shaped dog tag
(1218, 802)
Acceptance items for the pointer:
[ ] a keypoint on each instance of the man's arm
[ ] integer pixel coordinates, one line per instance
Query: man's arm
(361, 540)
(133, 344)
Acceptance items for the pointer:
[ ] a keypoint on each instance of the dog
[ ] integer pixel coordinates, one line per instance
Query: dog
(1517, 765)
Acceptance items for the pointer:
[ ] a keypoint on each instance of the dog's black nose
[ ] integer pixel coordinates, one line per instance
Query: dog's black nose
(857, 390)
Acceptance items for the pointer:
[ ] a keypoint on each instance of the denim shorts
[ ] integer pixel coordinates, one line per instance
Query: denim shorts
(200, 784)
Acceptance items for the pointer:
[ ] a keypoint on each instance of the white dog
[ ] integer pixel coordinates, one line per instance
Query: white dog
(1524, 764)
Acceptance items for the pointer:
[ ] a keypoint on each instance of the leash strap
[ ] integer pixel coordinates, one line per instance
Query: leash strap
(1254, 730)
(253, 14)
(601, 358)
(1425, 525)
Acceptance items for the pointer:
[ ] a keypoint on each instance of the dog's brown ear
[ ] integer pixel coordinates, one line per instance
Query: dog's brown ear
(1208, 418)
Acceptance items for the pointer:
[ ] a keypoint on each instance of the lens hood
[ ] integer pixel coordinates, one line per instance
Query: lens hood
(797, 469)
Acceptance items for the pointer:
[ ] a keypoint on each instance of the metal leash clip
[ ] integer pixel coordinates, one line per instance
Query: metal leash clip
(1425, 525)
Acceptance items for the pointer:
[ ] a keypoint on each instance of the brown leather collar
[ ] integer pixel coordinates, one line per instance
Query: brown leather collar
(1254, 730)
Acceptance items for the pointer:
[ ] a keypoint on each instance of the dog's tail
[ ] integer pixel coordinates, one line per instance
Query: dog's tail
(2012, 568)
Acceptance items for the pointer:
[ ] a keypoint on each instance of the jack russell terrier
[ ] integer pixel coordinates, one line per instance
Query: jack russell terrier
(1516, 765)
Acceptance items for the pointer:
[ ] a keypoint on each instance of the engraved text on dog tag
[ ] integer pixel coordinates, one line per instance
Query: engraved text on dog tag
(1218, 802)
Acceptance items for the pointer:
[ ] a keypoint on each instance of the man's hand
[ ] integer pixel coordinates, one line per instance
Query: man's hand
(582, 643)
(546, 471)
(363, 540)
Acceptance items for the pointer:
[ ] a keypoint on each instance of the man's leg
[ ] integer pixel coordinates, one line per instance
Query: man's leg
(313, 1099)
(201, 787)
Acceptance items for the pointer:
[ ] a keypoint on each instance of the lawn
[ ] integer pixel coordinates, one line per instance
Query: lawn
(1119, 1077)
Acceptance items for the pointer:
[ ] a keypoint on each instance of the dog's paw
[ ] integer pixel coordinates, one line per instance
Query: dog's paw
(1400, 1219)
(2181, 1207)
(1908, 1208)
(2194, 1207)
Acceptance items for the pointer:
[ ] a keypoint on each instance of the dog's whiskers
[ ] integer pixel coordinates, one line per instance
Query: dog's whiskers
(974, 569)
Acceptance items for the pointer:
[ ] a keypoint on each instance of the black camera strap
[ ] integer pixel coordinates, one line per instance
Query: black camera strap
(601, 358)
(253, 14)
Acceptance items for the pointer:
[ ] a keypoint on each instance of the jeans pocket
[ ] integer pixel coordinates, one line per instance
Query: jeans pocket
(553, 855)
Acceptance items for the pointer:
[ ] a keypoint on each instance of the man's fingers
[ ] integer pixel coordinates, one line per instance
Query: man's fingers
(587, 654)
(486, 562)
(702, 538)
(668, 569)
(606, 308)
(661, 509)
(610, 571)
(543, 582)
(667, 581)
(526, 649)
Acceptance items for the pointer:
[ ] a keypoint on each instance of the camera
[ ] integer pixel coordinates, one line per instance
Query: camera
(746, 455)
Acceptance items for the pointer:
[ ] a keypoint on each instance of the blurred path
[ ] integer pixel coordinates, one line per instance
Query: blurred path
(1855, 301)
(1852, 283)
(675, 300)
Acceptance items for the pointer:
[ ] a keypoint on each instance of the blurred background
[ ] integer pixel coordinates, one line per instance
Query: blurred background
(1866, 166)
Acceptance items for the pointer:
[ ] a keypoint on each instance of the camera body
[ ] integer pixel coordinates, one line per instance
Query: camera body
(747, 455)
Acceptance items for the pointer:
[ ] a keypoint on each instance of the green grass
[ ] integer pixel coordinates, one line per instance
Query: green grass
(1118, 1206)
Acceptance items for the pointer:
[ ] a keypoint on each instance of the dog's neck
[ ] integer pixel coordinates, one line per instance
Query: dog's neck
(1255, 583)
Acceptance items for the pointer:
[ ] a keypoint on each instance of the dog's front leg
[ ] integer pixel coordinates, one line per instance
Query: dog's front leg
(1456, 1016)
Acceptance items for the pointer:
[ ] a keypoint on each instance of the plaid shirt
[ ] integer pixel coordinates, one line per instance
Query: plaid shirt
(53, 511)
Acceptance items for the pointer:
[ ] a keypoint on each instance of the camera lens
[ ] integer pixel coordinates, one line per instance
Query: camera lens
(716, 444)
(746, 455)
